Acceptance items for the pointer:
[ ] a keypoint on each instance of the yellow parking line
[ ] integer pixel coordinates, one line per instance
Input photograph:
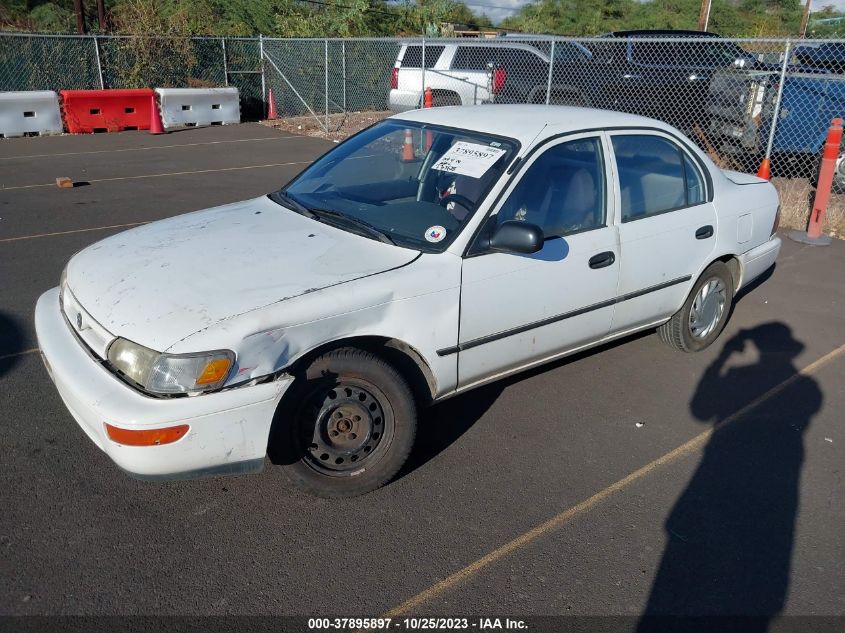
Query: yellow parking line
(172, 173)
(23, 353)
(95, 228)
(567, 515)
(142, 149)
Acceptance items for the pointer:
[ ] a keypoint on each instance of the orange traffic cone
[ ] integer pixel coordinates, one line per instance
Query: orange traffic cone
(271, 107)
(765, 170)
(408, 147)
(428, 101)
(155, 117)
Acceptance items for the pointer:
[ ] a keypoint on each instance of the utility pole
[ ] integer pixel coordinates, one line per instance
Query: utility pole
(704, 15)
(79, 10)
(101, 14)
(804, 20)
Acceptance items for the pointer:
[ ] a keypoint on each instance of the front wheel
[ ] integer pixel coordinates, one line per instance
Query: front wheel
(346, 427)
(703, 316)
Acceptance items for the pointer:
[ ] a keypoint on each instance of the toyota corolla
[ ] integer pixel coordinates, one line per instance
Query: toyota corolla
(433, 252)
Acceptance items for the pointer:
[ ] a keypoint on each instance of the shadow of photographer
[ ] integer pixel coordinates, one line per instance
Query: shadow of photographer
(730, 534)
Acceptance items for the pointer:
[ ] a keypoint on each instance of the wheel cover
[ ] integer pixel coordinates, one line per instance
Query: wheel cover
(344, 427)
(707, 308)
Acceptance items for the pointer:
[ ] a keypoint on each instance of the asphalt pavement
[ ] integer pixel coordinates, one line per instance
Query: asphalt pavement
(629, 480)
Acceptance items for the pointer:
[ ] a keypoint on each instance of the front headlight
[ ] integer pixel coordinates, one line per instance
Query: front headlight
(170, 373)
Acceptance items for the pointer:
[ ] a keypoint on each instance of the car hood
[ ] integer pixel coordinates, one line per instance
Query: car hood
(162, 282)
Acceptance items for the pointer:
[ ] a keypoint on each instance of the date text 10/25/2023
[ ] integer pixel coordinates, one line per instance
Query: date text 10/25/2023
(415, 624)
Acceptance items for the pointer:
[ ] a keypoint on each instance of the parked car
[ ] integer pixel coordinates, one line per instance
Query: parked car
(742, 104)
(470, 72)
(434, 252)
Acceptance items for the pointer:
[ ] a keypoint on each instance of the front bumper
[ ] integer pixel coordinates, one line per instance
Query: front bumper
(228, 430)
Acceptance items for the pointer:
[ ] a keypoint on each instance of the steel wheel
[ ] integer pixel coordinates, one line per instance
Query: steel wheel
(345, 427)
(707, 308)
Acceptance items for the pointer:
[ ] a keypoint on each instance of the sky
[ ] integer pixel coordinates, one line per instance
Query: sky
(498, 9)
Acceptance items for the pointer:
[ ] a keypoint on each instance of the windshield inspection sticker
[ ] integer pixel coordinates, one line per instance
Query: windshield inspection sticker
(435, 234)
(468, 159)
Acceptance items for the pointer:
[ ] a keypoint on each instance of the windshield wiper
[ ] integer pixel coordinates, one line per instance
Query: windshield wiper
(280, 197)
(342, 218)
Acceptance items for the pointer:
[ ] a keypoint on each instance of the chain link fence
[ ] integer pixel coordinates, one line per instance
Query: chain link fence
(739, 100)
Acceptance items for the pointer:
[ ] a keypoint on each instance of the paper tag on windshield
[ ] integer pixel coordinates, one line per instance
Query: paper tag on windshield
(468, 159)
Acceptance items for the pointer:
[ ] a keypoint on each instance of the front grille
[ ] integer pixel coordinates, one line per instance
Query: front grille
(94, 335)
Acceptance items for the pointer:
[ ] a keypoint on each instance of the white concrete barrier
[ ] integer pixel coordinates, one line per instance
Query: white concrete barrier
(30, 112)
(188, 107)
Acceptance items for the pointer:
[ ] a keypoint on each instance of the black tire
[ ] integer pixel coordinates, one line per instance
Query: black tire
(345, 427)
(679, 331)
(568, 98)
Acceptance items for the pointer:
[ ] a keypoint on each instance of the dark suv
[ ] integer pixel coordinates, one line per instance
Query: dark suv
(661, 74)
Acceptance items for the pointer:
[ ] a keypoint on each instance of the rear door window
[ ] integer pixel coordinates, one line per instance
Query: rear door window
(662, 53)
(414, 56)
(655, 176)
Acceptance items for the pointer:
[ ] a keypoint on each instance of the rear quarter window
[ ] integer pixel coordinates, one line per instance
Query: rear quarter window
(413, 57)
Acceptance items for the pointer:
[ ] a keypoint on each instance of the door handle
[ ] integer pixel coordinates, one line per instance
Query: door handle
(602, 259)
(704, 232)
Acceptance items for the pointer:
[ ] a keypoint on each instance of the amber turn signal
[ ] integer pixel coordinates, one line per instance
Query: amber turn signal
(146, 437)
(214, 371)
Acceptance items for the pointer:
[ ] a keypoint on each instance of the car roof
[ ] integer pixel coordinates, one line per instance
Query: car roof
(525, 122)
(661, 33)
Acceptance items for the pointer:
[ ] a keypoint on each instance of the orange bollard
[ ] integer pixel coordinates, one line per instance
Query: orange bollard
(408, 147)
(830, 154)
(156, 126)
(828, 166)
(271, 108)
(765, 170)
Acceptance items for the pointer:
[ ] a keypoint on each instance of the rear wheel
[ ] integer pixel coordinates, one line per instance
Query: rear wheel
(346, 427)
(440, 98)
(703, 316)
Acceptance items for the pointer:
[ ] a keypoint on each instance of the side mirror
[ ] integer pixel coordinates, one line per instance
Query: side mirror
(515, 236)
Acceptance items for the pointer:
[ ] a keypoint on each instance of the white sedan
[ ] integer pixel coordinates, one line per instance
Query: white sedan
(435, 251)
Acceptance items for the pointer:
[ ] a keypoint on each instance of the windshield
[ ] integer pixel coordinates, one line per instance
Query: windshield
(404, 182)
